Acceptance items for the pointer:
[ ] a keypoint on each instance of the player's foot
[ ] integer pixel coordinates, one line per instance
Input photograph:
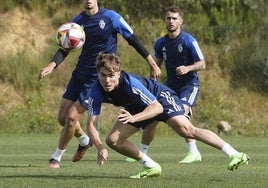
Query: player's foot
(236, 160)
(80, 152)
(129, 160)
(191, 158)
(148, 172)
(53, 163)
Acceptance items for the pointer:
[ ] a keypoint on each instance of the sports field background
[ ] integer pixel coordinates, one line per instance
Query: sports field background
(234, 88)
(24, 163)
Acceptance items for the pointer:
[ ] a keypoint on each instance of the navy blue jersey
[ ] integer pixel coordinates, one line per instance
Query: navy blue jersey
(183, 50)
(134, 93)
(101, 32)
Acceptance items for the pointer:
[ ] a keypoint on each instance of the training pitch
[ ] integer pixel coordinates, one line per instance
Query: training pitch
(24, 163)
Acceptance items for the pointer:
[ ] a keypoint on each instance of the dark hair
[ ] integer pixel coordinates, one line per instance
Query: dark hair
(175, 10)
(110, 62)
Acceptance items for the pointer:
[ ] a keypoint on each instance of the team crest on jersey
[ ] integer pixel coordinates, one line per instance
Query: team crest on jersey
(180, 48)
(102, 24)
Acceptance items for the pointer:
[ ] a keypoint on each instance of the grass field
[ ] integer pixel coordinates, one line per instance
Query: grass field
(23, 163)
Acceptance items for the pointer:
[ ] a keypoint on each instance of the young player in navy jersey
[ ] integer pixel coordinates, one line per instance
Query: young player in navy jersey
(183, 58)
(145, 101)
(101, 27)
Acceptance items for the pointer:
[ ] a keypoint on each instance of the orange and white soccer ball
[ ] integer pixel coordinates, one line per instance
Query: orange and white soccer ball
(70, 36)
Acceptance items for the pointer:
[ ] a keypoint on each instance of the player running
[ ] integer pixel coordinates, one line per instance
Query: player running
(182, 57)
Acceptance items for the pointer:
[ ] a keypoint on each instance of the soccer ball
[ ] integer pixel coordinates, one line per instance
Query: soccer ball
(70, 36)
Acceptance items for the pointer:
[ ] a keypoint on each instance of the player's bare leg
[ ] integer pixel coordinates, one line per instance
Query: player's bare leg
(117, 139)
(186, 129)
(71, 128)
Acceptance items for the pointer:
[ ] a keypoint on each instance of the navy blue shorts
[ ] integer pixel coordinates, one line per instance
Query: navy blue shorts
(172, 106)
(189, 94)
(76, 83)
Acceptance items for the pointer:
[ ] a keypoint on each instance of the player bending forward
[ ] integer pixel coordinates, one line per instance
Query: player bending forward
(145, 101)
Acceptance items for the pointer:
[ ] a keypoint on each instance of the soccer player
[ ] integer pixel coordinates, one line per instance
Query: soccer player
(101, 27)
(183, 58)
(145, 101)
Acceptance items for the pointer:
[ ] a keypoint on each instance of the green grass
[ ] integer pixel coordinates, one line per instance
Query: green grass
(23, 163)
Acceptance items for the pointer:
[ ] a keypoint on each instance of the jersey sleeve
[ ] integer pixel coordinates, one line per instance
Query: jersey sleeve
(197, 53)
(119, 24)
(77, 18)
(157, 49)
(140, 92)
(194, 48)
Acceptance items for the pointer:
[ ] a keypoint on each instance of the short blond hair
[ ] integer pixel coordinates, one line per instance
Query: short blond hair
(110, 62)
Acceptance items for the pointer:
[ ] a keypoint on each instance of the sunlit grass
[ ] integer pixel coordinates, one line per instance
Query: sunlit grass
(24, 160)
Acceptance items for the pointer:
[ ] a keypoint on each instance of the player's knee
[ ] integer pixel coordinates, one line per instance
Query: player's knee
(187, 132)
(190, 133)
(62, 115)
(61, 120)
(110, 142)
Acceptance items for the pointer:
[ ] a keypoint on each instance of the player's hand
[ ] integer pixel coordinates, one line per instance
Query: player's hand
(181, 70)
(46, 70)
(102, 155)
(125, 117)
(155, 72)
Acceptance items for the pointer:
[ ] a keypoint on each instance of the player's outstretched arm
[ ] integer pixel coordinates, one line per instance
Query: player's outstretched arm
(92, 132)
(56, 60)
(155, 71)
(150, 111)
(46, 70)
